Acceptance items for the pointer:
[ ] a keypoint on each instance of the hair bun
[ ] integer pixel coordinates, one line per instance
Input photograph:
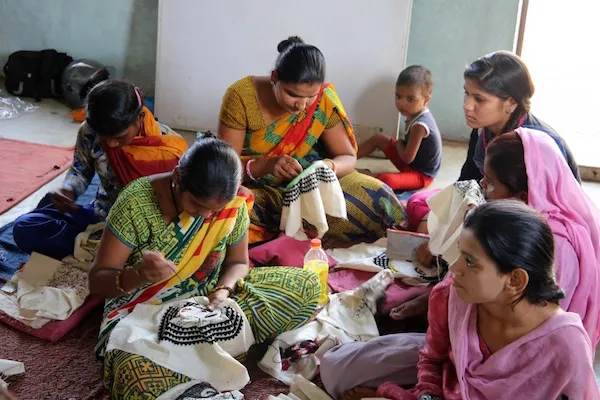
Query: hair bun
(96, 78)
(289, 42)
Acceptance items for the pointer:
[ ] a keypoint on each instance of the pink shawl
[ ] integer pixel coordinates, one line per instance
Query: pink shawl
(553, 360)
(575, 222)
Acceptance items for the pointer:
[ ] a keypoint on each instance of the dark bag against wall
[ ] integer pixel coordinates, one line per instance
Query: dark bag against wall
(35, 73)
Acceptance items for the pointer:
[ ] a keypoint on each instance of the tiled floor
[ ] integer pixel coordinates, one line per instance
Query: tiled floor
(50, 124)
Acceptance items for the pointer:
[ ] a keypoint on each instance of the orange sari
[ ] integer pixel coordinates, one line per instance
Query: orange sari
(150, 153)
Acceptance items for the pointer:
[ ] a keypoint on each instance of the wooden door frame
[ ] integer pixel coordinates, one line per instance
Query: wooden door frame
(522, 22)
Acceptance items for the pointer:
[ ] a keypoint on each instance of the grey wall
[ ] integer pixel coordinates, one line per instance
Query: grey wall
(445, 36)
(120, 33)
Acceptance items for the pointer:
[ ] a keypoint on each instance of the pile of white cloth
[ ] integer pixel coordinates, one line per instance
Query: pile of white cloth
(46, 289)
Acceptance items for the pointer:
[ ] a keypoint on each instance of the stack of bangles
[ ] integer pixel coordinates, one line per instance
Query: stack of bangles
(250, 161)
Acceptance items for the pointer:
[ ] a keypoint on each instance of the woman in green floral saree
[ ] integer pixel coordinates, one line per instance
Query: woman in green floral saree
(179, 235)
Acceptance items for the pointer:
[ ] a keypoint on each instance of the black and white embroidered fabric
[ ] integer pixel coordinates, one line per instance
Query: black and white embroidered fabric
(471, 189)
(201, 390)
(192, 323)
(382, 260)
(309, 198)
(308, 183)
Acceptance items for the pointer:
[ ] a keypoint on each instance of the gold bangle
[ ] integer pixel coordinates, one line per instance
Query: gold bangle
(223, 287)
(118, 282)
(333, 166)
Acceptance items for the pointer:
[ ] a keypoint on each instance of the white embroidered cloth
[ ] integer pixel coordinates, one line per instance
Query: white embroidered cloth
(311, 196)
(195, 390)
(372, 257)
(185, 337)
(447, 214)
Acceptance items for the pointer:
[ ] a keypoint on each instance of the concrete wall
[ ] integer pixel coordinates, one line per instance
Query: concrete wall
(445, 36)
(364, 50)
(119, 33)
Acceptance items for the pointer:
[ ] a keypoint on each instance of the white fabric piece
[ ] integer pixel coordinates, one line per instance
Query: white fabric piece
(311, 196)
(447, 214)
(10, 368)
(348, 317)
(371, 257)
(185, 337)
(194, 390)
(44, 289)
(84, 250)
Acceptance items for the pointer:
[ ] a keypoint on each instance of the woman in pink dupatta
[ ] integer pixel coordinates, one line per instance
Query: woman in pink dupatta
(496, 329)
(547, 185)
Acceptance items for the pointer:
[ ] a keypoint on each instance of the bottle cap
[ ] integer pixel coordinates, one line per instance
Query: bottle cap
(315, 243)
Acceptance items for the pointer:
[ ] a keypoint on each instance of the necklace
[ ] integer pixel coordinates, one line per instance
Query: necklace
(172, 187)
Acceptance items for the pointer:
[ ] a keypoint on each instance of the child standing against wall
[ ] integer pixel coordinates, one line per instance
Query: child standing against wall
(419, 155)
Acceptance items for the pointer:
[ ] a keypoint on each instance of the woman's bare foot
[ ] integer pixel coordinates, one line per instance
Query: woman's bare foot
(411, 308)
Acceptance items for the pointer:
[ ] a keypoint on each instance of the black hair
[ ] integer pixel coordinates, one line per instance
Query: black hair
(100, 75)
(299, 62)
(513, 236)
(416, 75)
(504, 75)
(210, 169)
(111, 106)
(506, 157)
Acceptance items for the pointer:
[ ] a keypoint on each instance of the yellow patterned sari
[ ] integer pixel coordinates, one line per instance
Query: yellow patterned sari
(371, 205)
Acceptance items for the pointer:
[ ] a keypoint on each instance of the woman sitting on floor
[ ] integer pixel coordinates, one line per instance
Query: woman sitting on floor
(525, 165)
(120, 141)
(183, 234)
(281, 124)
(496, 330)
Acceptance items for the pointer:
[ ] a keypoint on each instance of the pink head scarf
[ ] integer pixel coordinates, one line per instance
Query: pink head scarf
(572, 215)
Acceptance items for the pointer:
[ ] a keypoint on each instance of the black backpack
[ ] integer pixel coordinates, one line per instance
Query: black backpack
(35, 73)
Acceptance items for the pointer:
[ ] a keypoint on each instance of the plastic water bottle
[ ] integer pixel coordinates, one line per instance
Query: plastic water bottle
(316, 261)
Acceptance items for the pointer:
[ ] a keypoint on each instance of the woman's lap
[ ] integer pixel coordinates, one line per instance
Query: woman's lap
(385, 358)
(371, 205)
(274, 299)
(277, 299)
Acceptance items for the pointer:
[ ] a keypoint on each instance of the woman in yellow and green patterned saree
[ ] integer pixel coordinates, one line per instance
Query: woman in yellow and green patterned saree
(282, 124)
(181, 235)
